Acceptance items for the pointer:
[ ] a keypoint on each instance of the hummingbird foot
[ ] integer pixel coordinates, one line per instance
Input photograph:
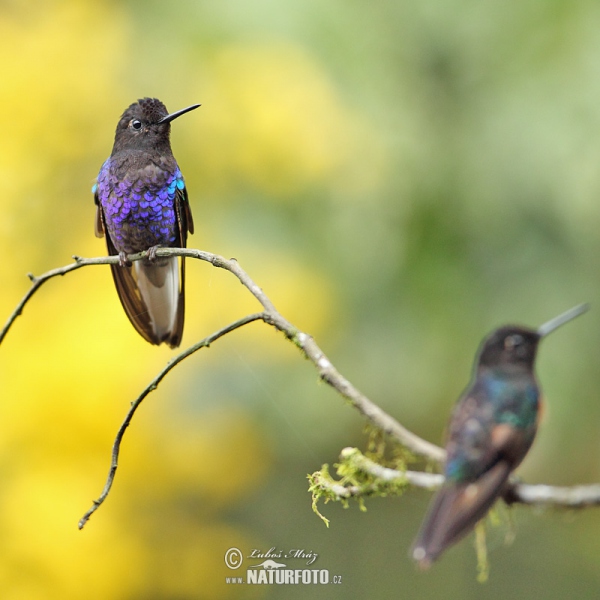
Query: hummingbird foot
(123, 260)
(152, 253)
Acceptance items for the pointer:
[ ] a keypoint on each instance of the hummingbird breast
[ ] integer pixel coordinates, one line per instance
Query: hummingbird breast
(495, 420)
(139, 204)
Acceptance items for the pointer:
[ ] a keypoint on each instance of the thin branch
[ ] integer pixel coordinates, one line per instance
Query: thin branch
(205, 343)
(577, 496)
(305, 342)
(37, 282)
(375, 415)
(325, 368)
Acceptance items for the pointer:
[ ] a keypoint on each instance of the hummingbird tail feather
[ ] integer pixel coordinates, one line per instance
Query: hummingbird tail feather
(455, 510)
(159, 290)
(152, 298)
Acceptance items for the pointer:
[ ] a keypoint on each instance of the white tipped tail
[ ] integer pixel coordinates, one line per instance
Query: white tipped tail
(159, 289)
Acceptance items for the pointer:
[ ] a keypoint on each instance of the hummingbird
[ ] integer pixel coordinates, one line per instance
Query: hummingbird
(491, 430)
(142, 204)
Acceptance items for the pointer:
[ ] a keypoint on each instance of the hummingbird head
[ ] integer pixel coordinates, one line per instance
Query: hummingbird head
(510, 345)
(145, 125)
(514, 345)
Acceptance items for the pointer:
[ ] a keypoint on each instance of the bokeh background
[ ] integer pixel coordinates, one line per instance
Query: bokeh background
(400, 177)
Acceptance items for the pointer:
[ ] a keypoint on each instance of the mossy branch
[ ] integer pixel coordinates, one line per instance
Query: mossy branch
(362, 477)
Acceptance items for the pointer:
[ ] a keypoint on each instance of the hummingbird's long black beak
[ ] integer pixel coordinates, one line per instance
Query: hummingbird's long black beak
(174, 115)
(567, 316)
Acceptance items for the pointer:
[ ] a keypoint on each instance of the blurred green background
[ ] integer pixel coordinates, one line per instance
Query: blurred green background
(400, 178)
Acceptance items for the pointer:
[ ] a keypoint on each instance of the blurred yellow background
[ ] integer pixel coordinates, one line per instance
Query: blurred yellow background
(400, 178)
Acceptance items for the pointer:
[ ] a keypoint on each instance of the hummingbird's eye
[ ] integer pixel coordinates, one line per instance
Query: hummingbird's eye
(513, 341)
(135, 124)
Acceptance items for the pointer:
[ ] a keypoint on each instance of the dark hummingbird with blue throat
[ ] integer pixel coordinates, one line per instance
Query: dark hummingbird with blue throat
(491, 430)
(142, 204)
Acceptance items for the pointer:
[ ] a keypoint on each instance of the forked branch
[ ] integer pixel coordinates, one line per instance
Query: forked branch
(537, 494)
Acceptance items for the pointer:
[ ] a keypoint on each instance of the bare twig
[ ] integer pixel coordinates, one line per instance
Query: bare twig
(37, 282)
(577, 496)
(305, 342)
(205, 343)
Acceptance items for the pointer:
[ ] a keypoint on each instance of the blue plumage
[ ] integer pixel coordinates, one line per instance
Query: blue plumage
(139, 214)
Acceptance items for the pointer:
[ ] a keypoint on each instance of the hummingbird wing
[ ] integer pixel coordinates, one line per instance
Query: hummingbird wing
(99, 222)
(127, 288)
(185, 224)
(184, 215)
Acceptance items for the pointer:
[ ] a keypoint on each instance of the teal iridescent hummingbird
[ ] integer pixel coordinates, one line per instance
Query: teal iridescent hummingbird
(142, 204)
(491, 430)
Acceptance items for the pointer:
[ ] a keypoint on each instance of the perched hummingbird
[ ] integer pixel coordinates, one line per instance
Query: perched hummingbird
(142, 204)
(490, 431)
